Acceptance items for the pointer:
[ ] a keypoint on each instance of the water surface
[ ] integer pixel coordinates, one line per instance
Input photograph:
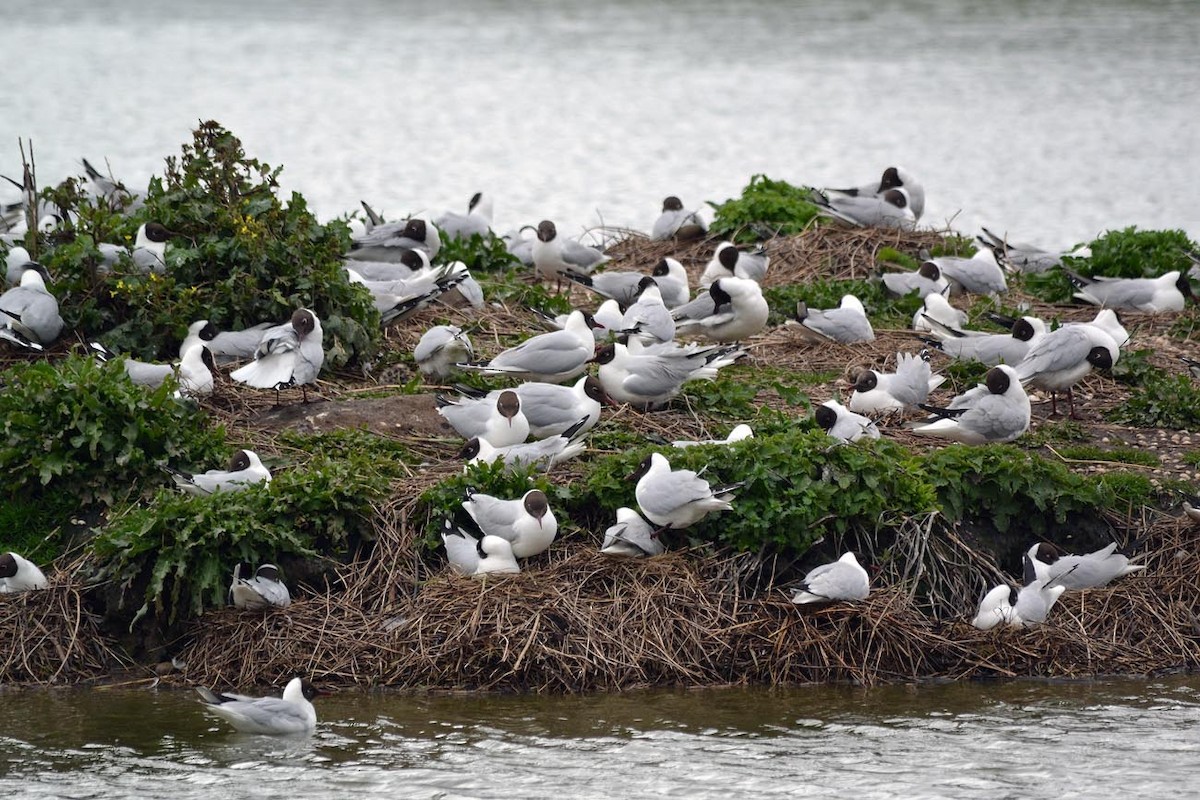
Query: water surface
(1100, 739)
(1053, 121)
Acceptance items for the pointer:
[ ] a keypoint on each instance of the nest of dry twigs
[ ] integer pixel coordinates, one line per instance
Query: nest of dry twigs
(577, 621)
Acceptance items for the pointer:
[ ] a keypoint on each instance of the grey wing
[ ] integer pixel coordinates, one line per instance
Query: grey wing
(1122, 293)
(993, 349)
(462, 552)
(1058, 350)
(703, 306)
(840, 324)
(147, 374)
(652, 376)
(433, 341)
(637, 534)
(270, 713)
(667, 224)
(469, 417)
(620, 286)
(995, 417)
(277, 339)
(148, 261)
(582, 256)
(651, 318)
(238, 344)
(670, 491)
(493, 515)
(547, 404)
(546, 354)
(274, 592)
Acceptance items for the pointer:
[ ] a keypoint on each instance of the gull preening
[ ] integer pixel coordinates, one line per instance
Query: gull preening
(903, 390)
(1091, 570)
(631, 536)
(441, 349)
(288, 355)
(731, 309)
(475, 557)
(264, 590)
(846, 324)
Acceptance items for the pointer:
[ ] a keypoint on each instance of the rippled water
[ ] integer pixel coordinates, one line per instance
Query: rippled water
(1053, 121)
(1062, 740)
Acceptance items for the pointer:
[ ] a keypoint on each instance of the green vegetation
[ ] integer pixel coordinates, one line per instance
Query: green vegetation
(480, 254)
(178, 550)
(80, 427)
(239, 256)
(1131, 253)
(1161, 401)
(1120, 455)
(765, 208)
(883, 310)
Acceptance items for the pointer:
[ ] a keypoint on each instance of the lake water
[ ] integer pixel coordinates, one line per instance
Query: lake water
(1104, 739)
(1050, 120)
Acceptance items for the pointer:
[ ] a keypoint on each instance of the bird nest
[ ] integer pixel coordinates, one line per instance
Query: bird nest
(51, 637)
(578, 621)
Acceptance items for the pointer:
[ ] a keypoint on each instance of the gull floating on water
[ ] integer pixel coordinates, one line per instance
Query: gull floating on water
(293, 713)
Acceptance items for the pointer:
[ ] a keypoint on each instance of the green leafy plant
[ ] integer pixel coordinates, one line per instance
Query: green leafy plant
(765, 208)
(481, 254)
(240, 256)
(178, 551)
(1124, 455)
(1161, 401)
(1130, 253)
(82, 428)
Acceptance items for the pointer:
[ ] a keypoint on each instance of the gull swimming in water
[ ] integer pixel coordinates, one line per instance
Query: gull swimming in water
(264, 590)
(273, 716)
(844, 579)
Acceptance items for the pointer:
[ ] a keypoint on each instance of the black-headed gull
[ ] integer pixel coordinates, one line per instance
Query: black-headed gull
(273, 716)
(526, 523)
(1021, 257)
(925, 280)
(1088, 571)
(903, 390)
(14, 264)
(1035, 598)
(1166, 293)
(843, 424)
(225, 346)
(245, 470)
(554, 254)
(476, 222)
(112, 191)
(620, 286)
(672, 280)
(731, 309)
(979, 274)
(844, 579)
(288, 355)
(1058, 360)
(676, 222)
(149, 253)
(264, 590)
(387, 242)
(729, 262)
(194, 371)
(475, 557)
(550, 408)
(648, 379)
(887, 210)
(996, 410)
(631, 536)
(648, 316)
(18, 574)
(676, 498)
(846, 324)
(892, 178)
(552, 357)
(501, 421)
(996, 608)
(29, 315)
(441, 349)
(987, 348)
(542, 453)
(936, 308)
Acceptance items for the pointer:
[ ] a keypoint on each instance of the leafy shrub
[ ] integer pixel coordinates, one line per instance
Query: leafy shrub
(240, 256)
(765, 208)
(183, 548)
(82, 428)
(481, 254)
(1131, 253)
(1161, 401)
